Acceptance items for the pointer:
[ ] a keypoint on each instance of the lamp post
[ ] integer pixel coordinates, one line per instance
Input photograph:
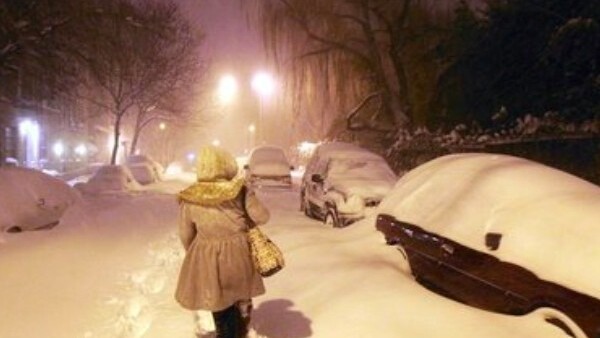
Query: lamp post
(59, 150)
(264, 85)
(251, 133)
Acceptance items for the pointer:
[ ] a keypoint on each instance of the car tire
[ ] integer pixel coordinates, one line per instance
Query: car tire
(331, 219)
(305, 206)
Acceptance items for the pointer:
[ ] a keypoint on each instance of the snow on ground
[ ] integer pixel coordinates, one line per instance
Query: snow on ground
(109, 270)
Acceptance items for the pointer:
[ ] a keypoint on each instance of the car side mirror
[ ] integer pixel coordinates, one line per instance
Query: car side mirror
(492, 240)
(316, 178)
(246, 167)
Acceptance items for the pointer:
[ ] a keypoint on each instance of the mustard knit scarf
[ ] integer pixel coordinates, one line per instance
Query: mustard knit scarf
(211, 193)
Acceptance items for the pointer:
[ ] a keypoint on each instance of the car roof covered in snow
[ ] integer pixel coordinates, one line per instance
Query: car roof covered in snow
(267, 153)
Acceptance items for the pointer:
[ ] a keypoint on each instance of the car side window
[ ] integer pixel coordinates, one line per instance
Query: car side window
(321, 168)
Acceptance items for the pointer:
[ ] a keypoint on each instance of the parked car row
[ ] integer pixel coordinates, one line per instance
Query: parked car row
(495, 232)
(138, 170)
(341, 183)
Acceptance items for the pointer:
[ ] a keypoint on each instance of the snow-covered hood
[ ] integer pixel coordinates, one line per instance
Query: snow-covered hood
(365, 188)
(270, 169)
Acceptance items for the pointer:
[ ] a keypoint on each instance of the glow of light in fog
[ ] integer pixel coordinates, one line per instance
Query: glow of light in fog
(30, 136)
(81, 150)
(263, 83)
(306, 148)
(227, 89)
(174, 169)
(58, 148)
(162, 126)
(252, 128)
(216, 142)
(191, 157)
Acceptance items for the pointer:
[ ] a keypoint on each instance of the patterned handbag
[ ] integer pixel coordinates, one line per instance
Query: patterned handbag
(267, 257)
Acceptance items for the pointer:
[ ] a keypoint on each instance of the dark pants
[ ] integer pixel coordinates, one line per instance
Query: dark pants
(229, 322)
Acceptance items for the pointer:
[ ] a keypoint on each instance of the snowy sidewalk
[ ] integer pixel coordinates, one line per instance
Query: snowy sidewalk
(109, 271)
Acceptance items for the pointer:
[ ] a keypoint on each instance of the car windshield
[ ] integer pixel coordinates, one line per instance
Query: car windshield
(268, 155)
(359, 168)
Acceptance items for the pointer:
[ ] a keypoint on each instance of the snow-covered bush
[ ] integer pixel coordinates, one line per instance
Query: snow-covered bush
(411, 148)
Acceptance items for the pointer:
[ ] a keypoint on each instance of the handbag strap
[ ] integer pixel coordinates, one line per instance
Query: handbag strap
(244, 191)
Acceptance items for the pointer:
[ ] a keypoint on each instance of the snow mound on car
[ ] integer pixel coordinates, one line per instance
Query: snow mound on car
(31, 199)
(110, 179)
(548, 218)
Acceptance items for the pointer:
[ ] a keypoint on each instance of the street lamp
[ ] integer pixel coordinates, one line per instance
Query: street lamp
(59, 149)
(251, 131)
(227, 89)
(264, 86)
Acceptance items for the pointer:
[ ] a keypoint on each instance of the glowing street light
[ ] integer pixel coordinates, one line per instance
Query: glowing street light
(58, 148)
(227, 89)
(264, 86)
(216, 142)
(251, 132)
(81, 150)
(162, 126)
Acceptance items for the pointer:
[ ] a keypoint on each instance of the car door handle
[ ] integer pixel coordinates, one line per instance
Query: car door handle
(447, 249)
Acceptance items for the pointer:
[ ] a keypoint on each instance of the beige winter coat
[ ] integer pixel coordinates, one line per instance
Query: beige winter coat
(217, 270)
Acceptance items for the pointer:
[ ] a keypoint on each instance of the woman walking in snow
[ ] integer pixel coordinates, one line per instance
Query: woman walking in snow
(217, 273)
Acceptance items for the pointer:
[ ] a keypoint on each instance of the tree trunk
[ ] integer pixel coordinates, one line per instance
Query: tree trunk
(117, 130)
(386, 74)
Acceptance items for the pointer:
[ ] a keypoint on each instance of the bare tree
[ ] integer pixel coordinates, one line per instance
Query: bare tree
(351, 52)
(350, 43)
(180, 76)
(133, 56)
(32, 37)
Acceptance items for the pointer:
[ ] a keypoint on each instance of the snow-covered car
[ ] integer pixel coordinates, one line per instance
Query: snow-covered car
(144, 168)
(342, 182)
(268, 165)
(501, 233)
(31, 199)
(109, 179)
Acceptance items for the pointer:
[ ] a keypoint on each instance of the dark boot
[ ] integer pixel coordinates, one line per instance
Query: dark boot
(245, 308)
(227, 322)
